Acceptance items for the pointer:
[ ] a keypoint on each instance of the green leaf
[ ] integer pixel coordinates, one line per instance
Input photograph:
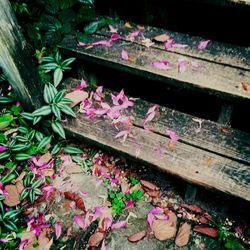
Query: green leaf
(37, 119)
(38, 191)
(47, 59)
(22, 138)
(5, 100)
(27, 116)
(72, 150)
(23, 130)
(20, 147)
(11, 214)
(58, 57)
(91, 28)
(56, 111)
(55, 149)
(44, 142)
(22, 157)
(49, 93)
(67, 110)
(49, 66)
(37, 183)
(32, 196)
(9, 177)
(4, 155)
(59, 96)
(67, 62)
(39, 136)
(44, 110)
(58, 75)
(58, 128)
(31, 134)
(10, 225)
(24, 194)
(65, 101)
(5, 121)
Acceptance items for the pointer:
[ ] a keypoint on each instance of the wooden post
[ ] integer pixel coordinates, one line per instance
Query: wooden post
(16, 61)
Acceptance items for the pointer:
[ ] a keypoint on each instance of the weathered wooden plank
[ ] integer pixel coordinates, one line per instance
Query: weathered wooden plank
(16, 62)
(216, 79)
(224, 3)
(222, 53)
(184, 161)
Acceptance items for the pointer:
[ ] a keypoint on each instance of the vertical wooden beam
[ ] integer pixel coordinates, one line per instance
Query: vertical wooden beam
(16, 61)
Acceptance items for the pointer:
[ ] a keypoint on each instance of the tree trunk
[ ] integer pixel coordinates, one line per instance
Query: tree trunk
(16, 61)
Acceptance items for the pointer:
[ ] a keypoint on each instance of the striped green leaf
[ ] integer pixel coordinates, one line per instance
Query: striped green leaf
(58, 75)
(44, 142)
(22, 157)
(56, 111)
(72, 150)
(27, 116)
(45, 110)
(58, 128)
(59, 96)
(67, 110)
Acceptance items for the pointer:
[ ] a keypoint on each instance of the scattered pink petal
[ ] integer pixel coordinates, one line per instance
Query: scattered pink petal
(119, 224)
(179, 46)
(160, 149)
(103, 247)
(58, 230)
(112, 29)
(152, 109)
(131, 36)
(123, 134)
(22, 244)
(164, 64)
(150, 219)
(84, 194)
(18, 103)
(169, 44)
(82, 44)
(197, 66)
(129, 204)
(2, 149)
(156, 210)
(79, 221)
(107, 43)
(115, 37)
(203, 44)
(5, 240)
(98, 95)
(107, 223)
(124, 55)
(182, 65)
(83, 85)
(173, 136)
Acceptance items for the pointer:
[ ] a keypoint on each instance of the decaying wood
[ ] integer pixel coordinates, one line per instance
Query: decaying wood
(213, 78)
(16, 62)
(185, 161)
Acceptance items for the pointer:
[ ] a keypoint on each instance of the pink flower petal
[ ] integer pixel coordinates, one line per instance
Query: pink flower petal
(107, 43)
(156, 210)
(169, 44)
(115, 37)
(179, 46)
(173, 136)
(112, 29)
(152, 109)
(124, 55)
(5, 240)
(84, 194)
(203, 44)
(129, 204)
(182, 65)
(82, 44)
(58, 230)
(103, 247)
(119, 224)
(22, 244)
(149, 118)
(150, 219)
(164, 64)
(2, 149)
(83, 85)
(79, 221)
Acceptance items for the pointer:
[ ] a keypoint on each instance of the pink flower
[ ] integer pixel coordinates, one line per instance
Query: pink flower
(163, 64)
(78, 219)
(58, 230)
(98, 95)
(124, 55)
(83, 85)
(22, 244)
(119, 224)
(173, 136)
(115, 37)
(203, 44)
(2, 149)
(131, 36)
(129, 204)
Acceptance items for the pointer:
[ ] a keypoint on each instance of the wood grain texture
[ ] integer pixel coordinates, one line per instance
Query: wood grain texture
(184, 161)
(222, 53)
(215, 79)
(16, 61)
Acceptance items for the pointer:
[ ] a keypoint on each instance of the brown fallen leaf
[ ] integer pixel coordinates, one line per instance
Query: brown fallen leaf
(244, 86)
(44, 242)
(95, 239)
(76, 97)
(210, 231)
(192, 207)
(183, 235)
(47, 172)
(149, 186)
(140, 27)
(161, 38)
(203, 220)
(208, 217)
(45, 158)
(124, 186)
(20, 177)
(74, 169)
(210, 161)
(19, 186)
(127, 25)
(165, 229)
(137, 236)
(154, 193)
(12, 198)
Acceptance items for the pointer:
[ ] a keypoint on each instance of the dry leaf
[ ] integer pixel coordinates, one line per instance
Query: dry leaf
(127, 25)
(124, 186)
(44, 242)
(161, 38)
(12, 198)
(44, 158)
(19, 186)
(183, 235)
(147, 42)
(244, 86)
(95, 239)
(210, 161)
(210, 231)
(74, 169)
(47, 172)
(165, 229)
(192, 207)
(76, 96)
(148, 186)
(154, 193)
(140, 27)
(137, 236)
(20, 177)
(170, 145)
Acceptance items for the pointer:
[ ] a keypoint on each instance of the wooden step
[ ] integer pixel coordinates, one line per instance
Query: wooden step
(225, 69)
(207, 154)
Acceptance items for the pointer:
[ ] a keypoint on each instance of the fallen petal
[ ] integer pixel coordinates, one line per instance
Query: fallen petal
(58, 230)
(119, 224)
(210, 231)
(124, 55)
(203, 44)
(95, 239)
(137, 236)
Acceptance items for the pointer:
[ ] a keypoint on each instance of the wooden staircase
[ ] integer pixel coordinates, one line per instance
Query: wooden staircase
(209, 153)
